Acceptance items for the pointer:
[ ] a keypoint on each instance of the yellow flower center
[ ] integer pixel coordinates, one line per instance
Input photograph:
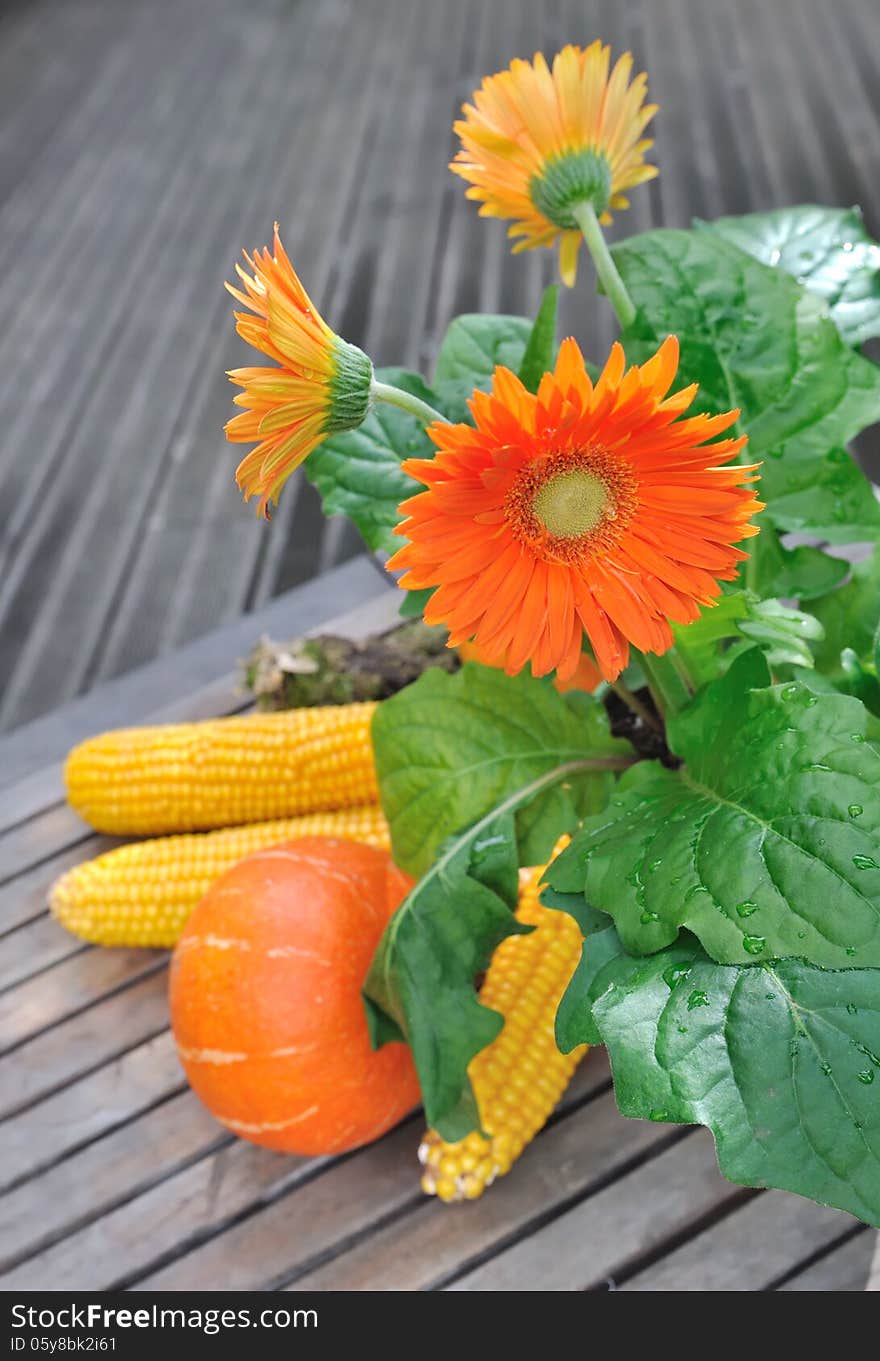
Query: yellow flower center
(571, 503)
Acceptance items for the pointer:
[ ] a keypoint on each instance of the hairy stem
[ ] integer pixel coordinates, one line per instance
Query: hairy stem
(385, 392)
(615, 289)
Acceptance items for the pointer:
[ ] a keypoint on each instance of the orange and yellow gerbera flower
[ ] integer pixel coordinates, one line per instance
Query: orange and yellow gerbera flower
(586, 509)
(536, 141)
(322, 384)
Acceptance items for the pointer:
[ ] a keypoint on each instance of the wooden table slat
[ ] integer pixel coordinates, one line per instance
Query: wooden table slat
(753, 1246)
(844, 1268)
(86, 1107)
(583, 1247)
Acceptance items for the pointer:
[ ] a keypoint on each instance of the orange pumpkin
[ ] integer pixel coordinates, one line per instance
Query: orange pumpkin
(265, 998)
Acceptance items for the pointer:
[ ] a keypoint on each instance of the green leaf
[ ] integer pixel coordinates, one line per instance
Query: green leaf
(414, 602)
(850, 617)
(449, 748)
(358, 472)
(420, 986)
(826, 249)
(540, 355)
(767, 841)
(476, 343)
(753, 338)
(783, 633)
(803, 572)
(781, 1062)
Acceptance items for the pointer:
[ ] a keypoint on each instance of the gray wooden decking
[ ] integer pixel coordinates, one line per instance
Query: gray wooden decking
(143, 142)
(112, 1175)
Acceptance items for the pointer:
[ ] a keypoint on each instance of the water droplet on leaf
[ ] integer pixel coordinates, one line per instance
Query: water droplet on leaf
(698, 998)
(753, 944)
(675, 973)
(864, 862)
(747, 908)
(855, 810)
(866, 1076)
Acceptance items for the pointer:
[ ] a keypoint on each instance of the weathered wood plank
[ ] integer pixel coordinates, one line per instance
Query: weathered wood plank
(583, 1151)
(161, 690)
(118, 1167)
(87, 1107)
(32, 948)
(87, 1040)
(585, 1246)
(348, 1198)
(748, 1249)
(80, 982)
(845, 1268)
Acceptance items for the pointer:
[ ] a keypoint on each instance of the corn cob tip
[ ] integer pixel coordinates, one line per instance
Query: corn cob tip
(520, 1077)
(142, 894)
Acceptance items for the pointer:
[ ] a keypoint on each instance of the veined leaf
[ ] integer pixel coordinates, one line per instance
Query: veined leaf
(766, 842)
(753, 338)
(781, 1061)
(449, 748)
(358, 472)
(826, 249)
(421, 983)
(476, 342)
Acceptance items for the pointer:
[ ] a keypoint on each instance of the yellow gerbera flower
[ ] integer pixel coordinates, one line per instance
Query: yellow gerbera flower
(321, 385)
(537, 142)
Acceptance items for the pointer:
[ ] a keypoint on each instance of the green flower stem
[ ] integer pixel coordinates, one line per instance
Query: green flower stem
(633, 702)
(668, 686)
(384, 392)
(585, 215)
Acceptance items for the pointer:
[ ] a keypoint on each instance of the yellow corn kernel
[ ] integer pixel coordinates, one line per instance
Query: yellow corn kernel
(191, 777)
(519, 1078)
(142, 894)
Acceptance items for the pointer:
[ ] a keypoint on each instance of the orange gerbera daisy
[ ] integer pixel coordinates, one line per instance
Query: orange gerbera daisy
(583, 509)
(322, 384)
(537, 141)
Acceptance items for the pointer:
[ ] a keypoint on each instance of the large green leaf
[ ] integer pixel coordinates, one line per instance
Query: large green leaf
(781, 1061)
(358, 472)
(449, 748)
(421, 983)
(476, 343)
(753, 338)
(765, 843)
(826, 249)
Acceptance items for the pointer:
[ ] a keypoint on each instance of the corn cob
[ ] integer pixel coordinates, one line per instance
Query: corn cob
(191, 777)
(142, 894)
(519, 1078)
